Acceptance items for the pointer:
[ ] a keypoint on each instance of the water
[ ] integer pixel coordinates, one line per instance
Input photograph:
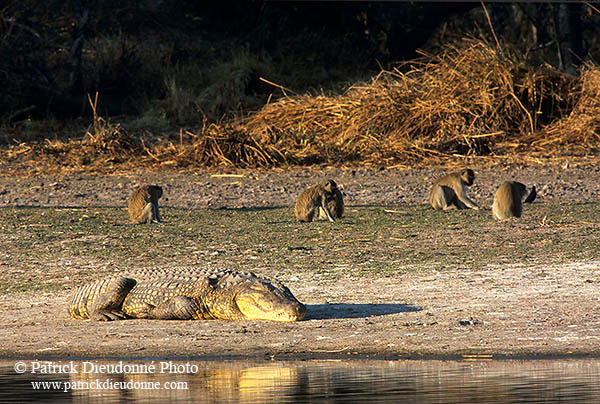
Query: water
(321, 381)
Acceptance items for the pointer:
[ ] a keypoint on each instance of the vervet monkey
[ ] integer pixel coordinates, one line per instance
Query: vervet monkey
(508, 200)
(335, 204)
(315, 198)
(450, 192)
(143, 204)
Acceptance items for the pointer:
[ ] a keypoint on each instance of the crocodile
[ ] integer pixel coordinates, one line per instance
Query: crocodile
(186, 294)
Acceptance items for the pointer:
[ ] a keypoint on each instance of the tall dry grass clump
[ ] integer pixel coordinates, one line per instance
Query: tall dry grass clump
(579, 132)
(470, 100)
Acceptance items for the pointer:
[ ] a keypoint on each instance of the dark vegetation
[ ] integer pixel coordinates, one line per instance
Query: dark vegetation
(98, 86)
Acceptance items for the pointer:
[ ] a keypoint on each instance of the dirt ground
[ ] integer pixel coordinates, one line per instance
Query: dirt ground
(502, 310)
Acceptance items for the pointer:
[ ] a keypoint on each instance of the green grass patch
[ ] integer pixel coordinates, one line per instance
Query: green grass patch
(55, 248)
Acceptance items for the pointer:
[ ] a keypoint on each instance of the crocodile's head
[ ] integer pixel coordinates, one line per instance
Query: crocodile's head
(269, 301)
(252, 298)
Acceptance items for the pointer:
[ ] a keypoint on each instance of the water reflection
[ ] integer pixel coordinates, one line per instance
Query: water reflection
(424, 382)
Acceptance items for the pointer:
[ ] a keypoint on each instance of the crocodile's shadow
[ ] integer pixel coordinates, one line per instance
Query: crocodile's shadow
(352, 310)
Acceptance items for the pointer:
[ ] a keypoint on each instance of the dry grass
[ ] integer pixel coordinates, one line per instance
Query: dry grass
(215, 145)
(471, 101)
(580, 130)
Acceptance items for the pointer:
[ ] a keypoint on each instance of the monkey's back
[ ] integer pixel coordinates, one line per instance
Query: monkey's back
(507, 200)
(137, 202)
(305, 204)
(441, 195)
